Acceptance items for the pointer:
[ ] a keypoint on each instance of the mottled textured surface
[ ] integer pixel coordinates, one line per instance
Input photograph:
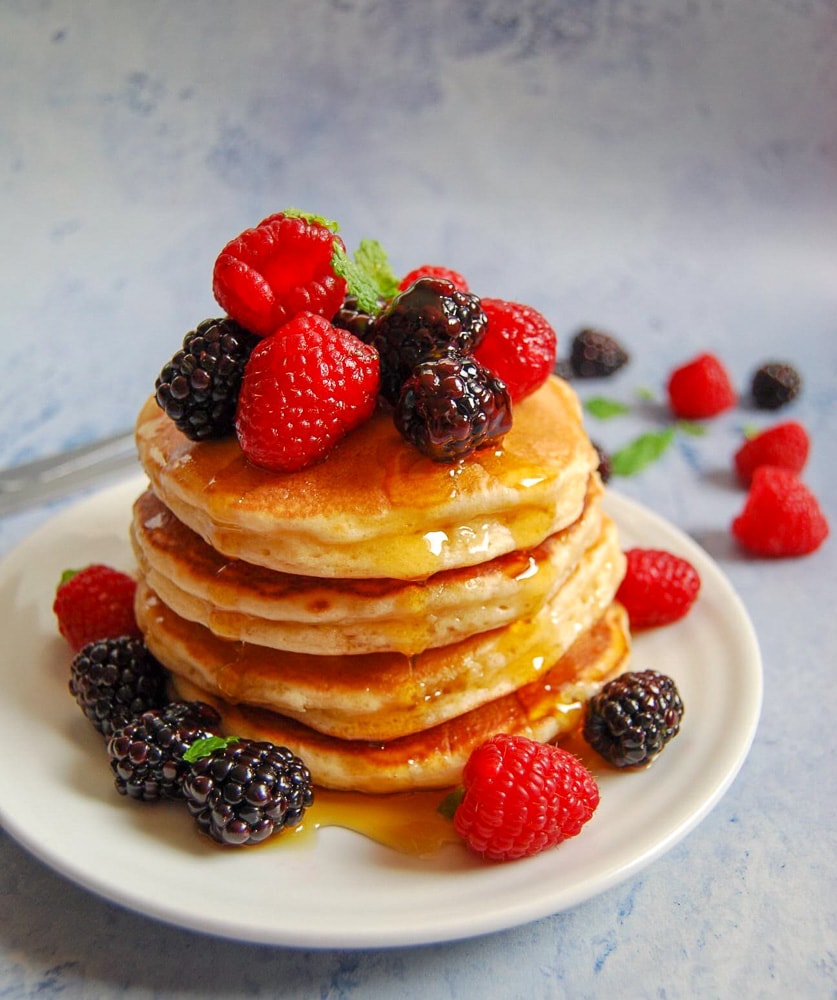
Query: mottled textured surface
(666, 170)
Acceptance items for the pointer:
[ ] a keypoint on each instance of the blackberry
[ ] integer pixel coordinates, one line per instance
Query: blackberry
(146, 755)
(350, 317)
(605, 467)
(633, 717)
(243, 792)
(451, 406)
(425, 321)
(199, 387)
(115, 680)
(774, 385)
(595, 354)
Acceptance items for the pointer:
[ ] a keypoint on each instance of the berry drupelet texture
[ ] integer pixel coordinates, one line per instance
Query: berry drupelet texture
(199, 387)
(116, 680)
(633, 717)
(595, 354)
(246, 791)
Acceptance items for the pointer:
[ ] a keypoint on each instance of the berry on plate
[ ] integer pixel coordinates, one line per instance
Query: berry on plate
(701, 388)
(303, 390)
(433, 271)
(774, 385)
(785, 445)
(633, 717)
(96, 602)
(519, 345)
(595, 354)
(781, 516)
(658, 588)
(282, 267)
(521, 797)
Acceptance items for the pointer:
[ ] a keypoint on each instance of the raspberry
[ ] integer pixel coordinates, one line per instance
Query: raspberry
(700, 388)
(785, 445)
(658, 587)
(115, 680)
(246, 791)
(96, 602)
(280, 268)
(452, 406)
(433, 271)
(633, 717)
(429, 319)
(522, 797)
(774, 385)
(303, 390)
(595, 354)
(199, 387)
(781, 516)
(519, 345)
(146, 755)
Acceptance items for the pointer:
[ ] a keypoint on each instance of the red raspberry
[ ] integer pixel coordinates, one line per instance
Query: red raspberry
(281, 267)
(658, 587)
(303, 390)
(522, 797)
(781, 516)
(519, 346)
(96, 602)
(433, 271)
(785, 445)
(701, 388)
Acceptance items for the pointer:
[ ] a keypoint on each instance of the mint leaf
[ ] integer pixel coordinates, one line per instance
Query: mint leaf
(691, 428)
(204, 747)
(297, 213)
(359, 282)
(604, 409)
(642, 393)
(450, 803)
(641, 452)
(372, 259)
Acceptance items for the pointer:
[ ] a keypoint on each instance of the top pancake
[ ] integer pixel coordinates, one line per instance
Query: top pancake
(376, 507)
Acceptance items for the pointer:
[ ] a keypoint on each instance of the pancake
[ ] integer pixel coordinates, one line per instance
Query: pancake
(237, 600)
(543, 710)
(377, 507)
(383, 696)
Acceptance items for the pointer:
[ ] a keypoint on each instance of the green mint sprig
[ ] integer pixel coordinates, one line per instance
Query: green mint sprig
(368, 274)
(206, 745)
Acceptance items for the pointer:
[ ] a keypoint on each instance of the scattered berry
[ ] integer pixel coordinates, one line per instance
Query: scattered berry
(785, 445)
(522, 797)
(304, 389)
(781, 516)
(280, 268)
(199, 387)
(452, 406)
(658, 587)
(244, 792)
(595, 354)
(146, 755)
(774, 385)
(700, 388)
(433, 271)
(428, 319)
(633, 717)
(519, 346)
(605, 467)
(96, 602)
(115, 680)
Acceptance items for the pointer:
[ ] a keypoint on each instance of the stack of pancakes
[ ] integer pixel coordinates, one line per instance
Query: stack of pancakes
(379, 613)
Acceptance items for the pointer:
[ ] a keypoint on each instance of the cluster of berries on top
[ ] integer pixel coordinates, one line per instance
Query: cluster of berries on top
(313, 341)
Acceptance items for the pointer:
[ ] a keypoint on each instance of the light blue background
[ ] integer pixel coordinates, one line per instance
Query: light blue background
(666, 170)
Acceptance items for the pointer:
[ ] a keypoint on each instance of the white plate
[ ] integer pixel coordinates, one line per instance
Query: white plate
(340, 890)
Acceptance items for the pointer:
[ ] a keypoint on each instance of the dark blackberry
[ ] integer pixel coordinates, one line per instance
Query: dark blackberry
(115, 680)
(146, 755)
(451, 406)
(774, 385)
(605, 467)
(633, 717)
(426, 320)
(243, 792)
(199, 387)
(350, 317)
(595, 354)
